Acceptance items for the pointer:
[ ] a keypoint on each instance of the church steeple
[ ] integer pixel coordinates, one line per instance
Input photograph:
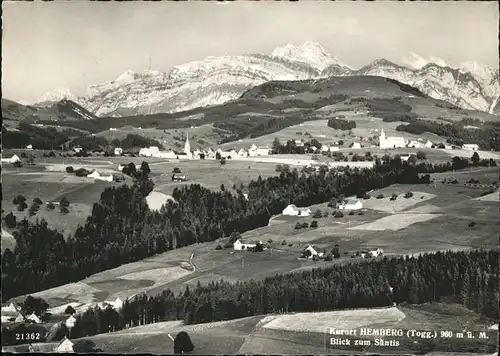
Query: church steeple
(187, 146)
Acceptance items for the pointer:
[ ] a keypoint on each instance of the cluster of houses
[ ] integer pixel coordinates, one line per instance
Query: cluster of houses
(363, 254)
(346, 204)
(12, 313)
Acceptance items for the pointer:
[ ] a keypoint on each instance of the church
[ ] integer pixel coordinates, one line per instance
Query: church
(390, 142)
(187, 148)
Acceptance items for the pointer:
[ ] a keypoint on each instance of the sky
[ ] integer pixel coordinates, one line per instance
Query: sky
(74, 44)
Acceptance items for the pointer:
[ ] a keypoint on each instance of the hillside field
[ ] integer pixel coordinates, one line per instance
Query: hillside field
(436, 216)
(277, 334)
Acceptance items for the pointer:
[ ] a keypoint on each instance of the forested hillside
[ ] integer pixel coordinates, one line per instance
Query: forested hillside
(122, 229)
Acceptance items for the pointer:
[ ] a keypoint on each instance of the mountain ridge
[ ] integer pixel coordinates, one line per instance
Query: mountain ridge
(216, 80)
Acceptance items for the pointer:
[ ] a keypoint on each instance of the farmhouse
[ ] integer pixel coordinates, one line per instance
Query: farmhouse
(77, 149)
(404, 157)
(12, 159)
(428, 144)
(390, 142)
(148, 152)
(29, 147)
(11, 308)
(20, 318)
(415, 144)
(313, 252)
(356, 145)
(299, 143)
(293, 210)
(34, 318)
(64, 346)
(242, 153)
(70, 322)
(238, 245)
(372, 253)
(233, 153)
(351, 204)
(470, 147)
(258, 151)
(118, 151)
(165, 154)
(96, 175)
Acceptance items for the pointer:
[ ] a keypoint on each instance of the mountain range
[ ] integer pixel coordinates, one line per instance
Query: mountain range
(217, 80)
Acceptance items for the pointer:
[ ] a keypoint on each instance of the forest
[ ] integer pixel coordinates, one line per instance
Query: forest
(339, 124)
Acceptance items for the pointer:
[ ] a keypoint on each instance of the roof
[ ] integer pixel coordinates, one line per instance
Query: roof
(293, 206)
(351, 201)
(245, 242)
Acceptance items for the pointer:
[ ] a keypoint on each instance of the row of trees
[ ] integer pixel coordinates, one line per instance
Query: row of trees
(122, 229)
(339, 124)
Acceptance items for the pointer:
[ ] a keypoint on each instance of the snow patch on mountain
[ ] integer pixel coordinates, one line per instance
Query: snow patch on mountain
(56, 95)
(309, 52)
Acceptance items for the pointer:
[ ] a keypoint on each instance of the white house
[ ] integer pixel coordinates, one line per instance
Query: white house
(428, 144)
(11, 308)
(70, 322)
(240, 246)
(12, 159)
(148, 152)
(351, 204)
(299, 143)
(448, 147)
(118, 151)
(120, 167)
(112, 129)
(262, 151)
(165, 154)
(20, 318)
(470, 147)
(97, 175)
(242, 153)
(415, 144)
(377, 252)
(29, 147)
(293, 210)
(233, 153)
(64, 346)
(390, 142)
(34, 318)
(313, 252)
(404, 157)
(356, 145)
(116, 304)
(77, 149)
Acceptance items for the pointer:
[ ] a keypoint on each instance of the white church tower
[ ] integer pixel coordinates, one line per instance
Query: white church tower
(187, 147)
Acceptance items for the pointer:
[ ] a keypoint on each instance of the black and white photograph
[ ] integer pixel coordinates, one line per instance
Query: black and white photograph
(250, 177)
